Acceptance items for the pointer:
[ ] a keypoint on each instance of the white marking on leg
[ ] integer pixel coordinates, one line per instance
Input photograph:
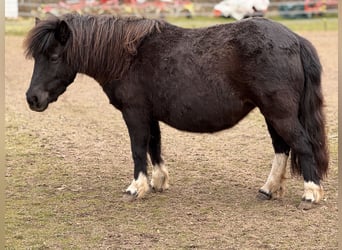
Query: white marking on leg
(312, 192)
(139, 187)
(132, 188)
(160, 178)
(275, 182)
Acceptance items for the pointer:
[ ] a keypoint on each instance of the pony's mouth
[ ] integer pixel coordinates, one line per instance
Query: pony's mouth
(40, 107)
(41, 100)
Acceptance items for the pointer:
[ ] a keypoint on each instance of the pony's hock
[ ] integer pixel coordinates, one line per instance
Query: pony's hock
(198, 80)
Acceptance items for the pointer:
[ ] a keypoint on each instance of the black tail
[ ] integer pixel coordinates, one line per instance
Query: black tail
(311, 110)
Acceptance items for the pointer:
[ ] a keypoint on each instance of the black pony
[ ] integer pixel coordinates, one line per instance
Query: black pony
(199, 80)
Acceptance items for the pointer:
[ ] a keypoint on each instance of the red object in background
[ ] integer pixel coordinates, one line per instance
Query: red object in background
(314, 6)
(117, 7)
(217, 13)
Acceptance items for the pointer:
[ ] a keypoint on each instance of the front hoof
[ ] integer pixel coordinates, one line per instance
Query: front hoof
(263, 195)
(138, 188)
(128, 197)
(130, 192)
(307, 205)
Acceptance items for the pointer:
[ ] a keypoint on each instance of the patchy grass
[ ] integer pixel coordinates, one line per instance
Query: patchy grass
(18, 27)
(29, 167)
(52, 204)
(317, 24)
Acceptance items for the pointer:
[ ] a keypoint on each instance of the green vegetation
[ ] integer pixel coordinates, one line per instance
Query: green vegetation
(23, 25)
(314, 24)
(18, 27)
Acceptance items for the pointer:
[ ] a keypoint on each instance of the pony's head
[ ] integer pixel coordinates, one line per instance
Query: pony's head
(100, 46)
(46, 44)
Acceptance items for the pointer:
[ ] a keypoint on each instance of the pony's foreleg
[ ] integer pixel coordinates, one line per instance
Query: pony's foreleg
(139, 133)
(275, 184)
(160, 175)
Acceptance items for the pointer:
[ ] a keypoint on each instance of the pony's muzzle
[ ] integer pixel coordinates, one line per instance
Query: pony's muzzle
(36, 102)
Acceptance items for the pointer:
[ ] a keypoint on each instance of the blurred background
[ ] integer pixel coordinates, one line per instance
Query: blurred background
(160, 8)
(301, 14)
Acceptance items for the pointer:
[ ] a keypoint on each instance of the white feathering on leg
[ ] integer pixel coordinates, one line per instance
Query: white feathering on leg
(160, 178)
(312, 192)
(275, 181)
(139, 187)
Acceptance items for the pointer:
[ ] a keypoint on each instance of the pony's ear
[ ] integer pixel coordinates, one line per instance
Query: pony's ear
(63, 32)
(37, 20)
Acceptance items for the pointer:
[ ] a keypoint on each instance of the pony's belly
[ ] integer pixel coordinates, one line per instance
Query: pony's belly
(205, 119)
(200, 126)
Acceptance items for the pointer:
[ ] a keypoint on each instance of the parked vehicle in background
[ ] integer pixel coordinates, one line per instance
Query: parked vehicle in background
(241, 9)
(307, 8)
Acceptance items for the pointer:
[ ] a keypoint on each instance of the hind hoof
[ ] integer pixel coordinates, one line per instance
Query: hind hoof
(263, 195)
(160, 179)
(312, 192)
(307, 205)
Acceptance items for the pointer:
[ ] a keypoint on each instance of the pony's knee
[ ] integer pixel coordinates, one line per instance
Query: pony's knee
(160, 178)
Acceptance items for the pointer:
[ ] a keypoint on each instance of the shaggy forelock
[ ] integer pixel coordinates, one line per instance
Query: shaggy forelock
(40, 37)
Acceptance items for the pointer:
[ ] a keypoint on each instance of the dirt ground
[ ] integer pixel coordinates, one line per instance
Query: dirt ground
(67, 168)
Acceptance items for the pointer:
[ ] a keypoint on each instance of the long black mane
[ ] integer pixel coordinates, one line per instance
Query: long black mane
(96, 41)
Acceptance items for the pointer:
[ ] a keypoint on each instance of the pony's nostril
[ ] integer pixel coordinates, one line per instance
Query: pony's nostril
(32, 100)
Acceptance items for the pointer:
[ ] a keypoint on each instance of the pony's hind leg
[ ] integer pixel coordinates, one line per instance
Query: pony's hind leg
(160, 175)
(275, 184)
(304, 163)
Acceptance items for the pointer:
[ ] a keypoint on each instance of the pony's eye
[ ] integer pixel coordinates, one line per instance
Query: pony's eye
(54, 58)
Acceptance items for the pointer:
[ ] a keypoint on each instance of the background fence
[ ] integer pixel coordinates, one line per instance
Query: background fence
(29, 8)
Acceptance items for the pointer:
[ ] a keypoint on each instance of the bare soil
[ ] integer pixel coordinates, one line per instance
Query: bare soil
(67, 168)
